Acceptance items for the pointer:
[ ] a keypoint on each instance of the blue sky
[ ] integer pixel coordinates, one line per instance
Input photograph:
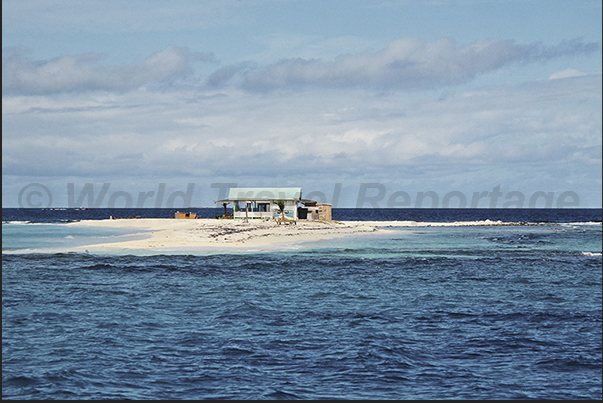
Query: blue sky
(454, 97)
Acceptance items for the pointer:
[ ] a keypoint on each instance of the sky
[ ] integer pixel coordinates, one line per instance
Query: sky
(385, 103)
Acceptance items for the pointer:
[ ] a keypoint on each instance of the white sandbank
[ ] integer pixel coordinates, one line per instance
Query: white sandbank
(159, 235)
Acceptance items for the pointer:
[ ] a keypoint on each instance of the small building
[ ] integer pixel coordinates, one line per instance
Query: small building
(313, 211)
(181, 215)
(263, 203)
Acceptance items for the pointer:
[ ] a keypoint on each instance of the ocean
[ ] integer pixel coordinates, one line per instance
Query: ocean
(431, 312)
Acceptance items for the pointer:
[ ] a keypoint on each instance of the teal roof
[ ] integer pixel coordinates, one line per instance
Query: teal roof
(264, 194)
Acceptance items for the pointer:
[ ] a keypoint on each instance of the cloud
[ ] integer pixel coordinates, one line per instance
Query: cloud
(86, 72)
(541, 135)
(312, 133)
(567, 73)
(405, 64)
(224, 74)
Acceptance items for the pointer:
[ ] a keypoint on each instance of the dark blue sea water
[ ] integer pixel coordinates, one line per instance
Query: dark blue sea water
(349, 214)
(481, 312)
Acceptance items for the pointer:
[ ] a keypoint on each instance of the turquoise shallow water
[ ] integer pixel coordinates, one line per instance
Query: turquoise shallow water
(415, 313)
(32, 237)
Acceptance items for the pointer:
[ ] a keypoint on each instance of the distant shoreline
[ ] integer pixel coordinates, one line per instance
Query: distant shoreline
(164, 234)
(168, 235)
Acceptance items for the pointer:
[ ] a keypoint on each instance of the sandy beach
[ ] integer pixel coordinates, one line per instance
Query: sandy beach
(208, 234)
(161, 234)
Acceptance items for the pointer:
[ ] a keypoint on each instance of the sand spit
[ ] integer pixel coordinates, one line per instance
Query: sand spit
(208, 234)
(162, 234)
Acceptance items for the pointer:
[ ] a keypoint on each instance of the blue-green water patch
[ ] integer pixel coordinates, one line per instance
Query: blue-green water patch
(40, 236)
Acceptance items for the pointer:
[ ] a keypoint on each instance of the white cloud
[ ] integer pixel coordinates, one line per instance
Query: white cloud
(315, 134)
(407, 64)
(92, 121)
(567, 73)
(87, 73)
